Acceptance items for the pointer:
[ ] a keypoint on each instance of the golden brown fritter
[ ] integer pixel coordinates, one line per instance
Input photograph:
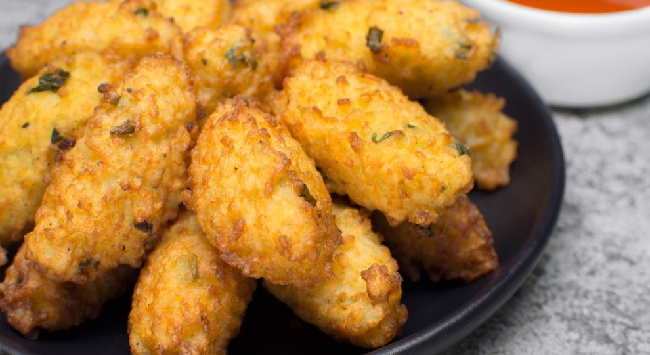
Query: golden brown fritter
(458, 246)
(42, 117)
(362, 302)
(128, 28)
(31, 301)
(259, 198)
(477, 120)
(424, 47)
(373, 144)
(225, 62)
(113, 192)
(263, 15)
(267, 18)
(186, 300)
(190, 14)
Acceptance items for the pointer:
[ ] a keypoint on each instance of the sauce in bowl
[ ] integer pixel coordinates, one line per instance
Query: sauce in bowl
(584, 6)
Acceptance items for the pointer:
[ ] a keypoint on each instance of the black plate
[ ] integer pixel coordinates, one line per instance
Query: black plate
(521, 217)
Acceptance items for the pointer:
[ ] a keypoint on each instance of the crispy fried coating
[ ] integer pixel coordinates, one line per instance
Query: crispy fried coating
(259, 198)
(266, 18)
(45, 115)
(31, 301)
(190, 14)
(186, 300)
(113, 192)
(263, 15)
(477, 120)
(373, 144)
(458, 246)
(362, 302)
(225, 62)
(127, 28)
(424, 47)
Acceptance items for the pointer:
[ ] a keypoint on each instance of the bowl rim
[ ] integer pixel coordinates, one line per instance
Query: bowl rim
(563, 24)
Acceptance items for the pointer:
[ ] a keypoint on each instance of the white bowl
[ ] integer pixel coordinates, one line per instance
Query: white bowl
(574, 60)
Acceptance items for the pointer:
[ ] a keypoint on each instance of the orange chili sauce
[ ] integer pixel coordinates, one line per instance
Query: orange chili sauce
(584, 6)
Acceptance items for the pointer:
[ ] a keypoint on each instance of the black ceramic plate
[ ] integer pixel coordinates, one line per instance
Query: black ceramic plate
(521, 217)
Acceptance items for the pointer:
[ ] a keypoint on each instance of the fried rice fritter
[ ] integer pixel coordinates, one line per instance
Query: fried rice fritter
(423, 47)
(186, 300)
(31, 301)
(259, 198)
(44, 116)
(190, 14)
(264, 15)
(477, 120)
(373, 144)
(458, 246)
(131, 28)
(225, 62)
(362, 302)
(112, 193)
(265, 18)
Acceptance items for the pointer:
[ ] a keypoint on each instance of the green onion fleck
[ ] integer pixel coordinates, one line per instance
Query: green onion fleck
(375, 137)
(56, 137)
(462, 149)
(304, 193)
(326, 5)
(143, 11)
(234, 58)
(51, 81)
(463, 51)
(373, 39)
(86, 263)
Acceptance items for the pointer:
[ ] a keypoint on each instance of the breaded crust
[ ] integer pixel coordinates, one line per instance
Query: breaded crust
(186, 300)
(423, 47)
(31, 301)
(264, 15)
(266, 18)
(478, 121)
(44, 116)
(190, 14)
(259, 198)
(458, 246)
(131, 28)
(373, 144)
(112, 193)
(225, 62)
(361, 304)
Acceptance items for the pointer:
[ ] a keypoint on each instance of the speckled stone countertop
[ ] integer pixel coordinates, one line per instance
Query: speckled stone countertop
(590, 292)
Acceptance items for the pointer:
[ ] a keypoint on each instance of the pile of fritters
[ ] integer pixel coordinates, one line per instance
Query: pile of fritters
(183, 149)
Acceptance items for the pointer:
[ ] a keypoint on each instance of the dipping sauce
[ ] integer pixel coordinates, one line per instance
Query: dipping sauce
(584, 6)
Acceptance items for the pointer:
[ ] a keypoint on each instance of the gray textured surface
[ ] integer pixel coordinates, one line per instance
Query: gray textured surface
(590, 293)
